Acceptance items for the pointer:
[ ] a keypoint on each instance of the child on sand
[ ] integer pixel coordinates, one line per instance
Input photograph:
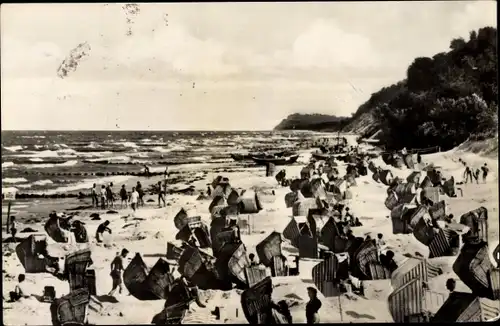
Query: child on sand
(123, 196)
(252, 260)
(380, 242)
(117, 272)
(20, 291)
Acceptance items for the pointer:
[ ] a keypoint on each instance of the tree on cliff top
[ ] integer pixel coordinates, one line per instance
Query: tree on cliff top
(444, 99)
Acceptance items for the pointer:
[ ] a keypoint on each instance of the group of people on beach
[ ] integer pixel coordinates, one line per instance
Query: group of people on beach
(471, 174)
(104, 197)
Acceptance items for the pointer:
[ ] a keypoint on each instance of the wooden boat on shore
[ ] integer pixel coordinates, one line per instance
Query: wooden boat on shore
(248, 157)
(321, 156)
(276, 160)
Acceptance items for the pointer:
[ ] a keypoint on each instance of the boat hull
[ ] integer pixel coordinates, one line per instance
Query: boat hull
(276, 161)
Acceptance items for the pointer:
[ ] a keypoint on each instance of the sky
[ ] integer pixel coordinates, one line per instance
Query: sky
(213, 66)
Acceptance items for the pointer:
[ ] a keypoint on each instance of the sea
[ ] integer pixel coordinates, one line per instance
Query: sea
(48, 162)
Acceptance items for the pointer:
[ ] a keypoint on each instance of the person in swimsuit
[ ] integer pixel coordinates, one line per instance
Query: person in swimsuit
(117, 272)
(161, 195)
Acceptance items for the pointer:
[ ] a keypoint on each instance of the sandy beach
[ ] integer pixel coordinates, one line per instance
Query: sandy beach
(149, 229)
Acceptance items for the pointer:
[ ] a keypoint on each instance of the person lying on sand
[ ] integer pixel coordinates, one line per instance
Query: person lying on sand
(20, 291)
(103, 227)
(117, 269)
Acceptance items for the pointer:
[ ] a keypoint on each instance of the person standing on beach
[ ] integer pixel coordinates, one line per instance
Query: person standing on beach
(165, 179)
(313, 306)
(476, 174)
(380, 243)
(485, 171)
(123, 196)
(146, 170)
(134, 199)
(103, 197)
(140, 191)
(117, 273)
(13, 227)
(109, 195)
(95, 196)
(161, 195)
(468, 174)
(103, 227)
